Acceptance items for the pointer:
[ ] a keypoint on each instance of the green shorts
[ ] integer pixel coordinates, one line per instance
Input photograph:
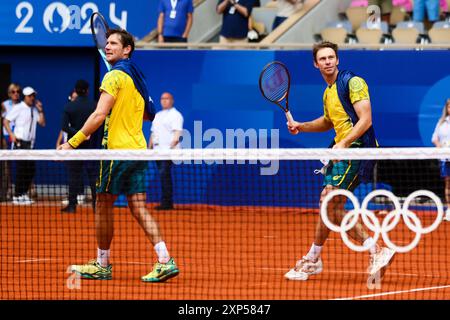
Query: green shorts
(122, 177)
(343, 174)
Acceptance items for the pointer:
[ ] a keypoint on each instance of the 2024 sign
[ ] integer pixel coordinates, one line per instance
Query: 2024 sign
(58, 17)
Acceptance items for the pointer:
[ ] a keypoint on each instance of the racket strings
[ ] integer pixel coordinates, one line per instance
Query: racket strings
(100, 31)
(278, 94)
(275, 82)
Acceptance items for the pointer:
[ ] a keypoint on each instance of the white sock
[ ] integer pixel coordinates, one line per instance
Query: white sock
(369, 243)
(103, 257)
(314, 252)
(161, 251)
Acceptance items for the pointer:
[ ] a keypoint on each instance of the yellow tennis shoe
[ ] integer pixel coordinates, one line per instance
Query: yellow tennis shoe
(162, 272)
(93, 270)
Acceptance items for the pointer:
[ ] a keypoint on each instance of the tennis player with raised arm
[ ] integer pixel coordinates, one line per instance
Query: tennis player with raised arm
(347, 110)
(124, 103)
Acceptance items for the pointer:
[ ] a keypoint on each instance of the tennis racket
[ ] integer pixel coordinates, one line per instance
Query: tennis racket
(274, 83)
(99, 29)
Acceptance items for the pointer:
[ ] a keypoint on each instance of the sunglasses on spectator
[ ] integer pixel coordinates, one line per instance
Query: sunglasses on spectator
(14, 91)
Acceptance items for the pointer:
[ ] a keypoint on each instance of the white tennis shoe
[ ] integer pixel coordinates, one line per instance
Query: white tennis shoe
(22, 200)
(304, 268)
(81, 199)
(447, 215)
(380, 260)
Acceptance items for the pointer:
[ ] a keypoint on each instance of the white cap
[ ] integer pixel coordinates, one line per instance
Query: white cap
(28, 91)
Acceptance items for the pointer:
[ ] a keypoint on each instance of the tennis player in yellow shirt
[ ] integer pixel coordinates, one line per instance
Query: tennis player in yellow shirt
(123, 105)
(348, 111)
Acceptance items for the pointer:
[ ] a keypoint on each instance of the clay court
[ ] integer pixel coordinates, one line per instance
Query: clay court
(222, 252)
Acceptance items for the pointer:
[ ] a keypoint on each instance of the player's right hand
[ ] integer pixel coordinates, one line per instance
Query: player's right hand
(292, 127)
(65, 146)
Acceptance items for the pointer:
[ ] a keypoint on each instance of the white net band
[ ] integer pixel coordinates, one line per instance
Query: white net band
(232, 154)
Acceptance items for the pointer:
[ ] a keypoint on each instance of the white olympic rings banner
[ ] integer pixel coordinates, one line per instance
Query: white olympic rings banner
(389, 222)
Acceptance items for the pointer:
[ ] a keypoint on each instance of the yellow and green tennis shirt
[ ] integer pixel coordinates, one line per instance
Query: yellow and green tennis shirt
(334, 111)
(123, 126)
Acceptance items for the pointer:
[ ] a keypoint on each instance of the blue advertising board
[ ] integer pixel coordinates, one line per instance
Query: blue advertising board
(66, 23)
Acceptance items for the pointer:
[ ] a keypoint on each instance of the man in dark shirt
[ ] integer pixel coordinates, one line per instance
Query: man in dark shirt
(235, 20)
(75, 115)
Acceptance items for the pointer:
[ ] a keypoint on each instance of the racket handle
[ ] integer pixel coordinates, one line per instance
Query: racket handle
(290, 119)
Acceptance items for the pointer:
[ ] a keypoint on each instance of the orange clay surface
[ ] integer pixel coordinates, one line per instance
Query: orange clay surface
(222, 253)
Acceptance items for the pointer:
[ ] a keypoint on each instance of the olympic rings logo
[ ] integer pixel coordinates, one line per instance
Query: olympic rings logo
(389, 222)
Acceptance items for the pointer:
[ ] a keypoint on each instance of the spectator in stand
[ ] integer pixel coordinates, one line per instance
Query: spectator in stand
(236, 14)
(444, 5)
(444, 8)
(285, 9)
(406, 4)
(385, 6)
(359, 3)
(430, 7)
(252, 33)
(175, 20)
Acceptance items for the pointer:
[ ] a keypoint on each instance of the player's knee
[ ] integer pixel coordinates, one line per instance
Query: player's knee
(334, 206)
(326, 190)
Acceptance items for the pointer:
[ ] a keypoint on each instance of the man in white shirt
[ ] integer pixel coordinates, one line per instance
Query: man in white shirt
(165, 134)
(5, 167)
(26, 116)
(14, 99)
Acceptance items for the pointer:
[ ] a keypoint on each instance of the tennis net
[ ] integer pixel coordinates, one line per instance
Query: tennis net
(240, 221)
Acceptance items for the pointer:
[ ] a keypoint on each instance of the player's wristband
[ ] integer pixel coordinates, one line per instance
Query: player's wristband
(77, 139)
